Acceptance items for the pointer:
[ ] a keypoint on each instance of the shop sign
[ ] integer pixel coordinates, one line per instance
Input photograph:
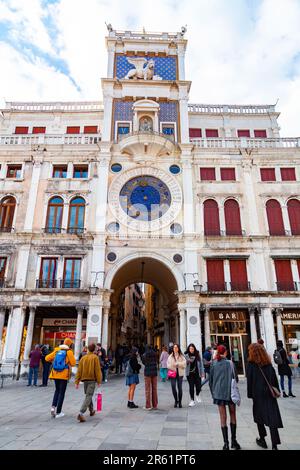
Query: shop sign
(61, 335)
(227, 315)
(62, 321)
(293, 341)
(290, 315)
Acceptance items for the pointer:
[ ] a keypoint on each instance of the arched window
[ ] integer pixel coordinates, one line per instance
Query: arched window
(7, 210)
(294, 215)
(211, 217)
(76, 215)
(54, 215)
(232, 217)
(275, 220)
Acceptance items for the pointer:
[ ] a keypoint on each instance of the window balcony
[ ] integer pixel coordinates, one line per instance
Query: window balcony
(229, 287)
(46, 284)
(288, 286)
(70, 283)
(146, 143)
(69, 230)
(53, 230)
(3, 283)
(6, 229)
(76, 230)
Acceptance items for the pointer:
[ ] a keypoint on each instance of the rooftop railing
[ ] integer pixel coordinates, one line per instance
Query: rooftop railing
(54, 106)
(229, 108)
(228, 142)
(44, 139)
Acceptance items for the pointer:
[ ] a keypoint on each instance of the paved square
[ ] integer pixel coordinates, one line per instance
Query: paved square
(25, 421)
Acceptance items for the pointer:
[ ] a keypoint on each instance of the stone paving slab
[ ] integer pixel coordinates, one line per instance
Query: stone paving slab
(25, 421)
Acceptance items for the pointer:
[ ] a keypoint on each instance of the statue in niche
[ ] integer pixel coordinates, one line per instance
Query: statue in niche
(146, 124)
(140, 72)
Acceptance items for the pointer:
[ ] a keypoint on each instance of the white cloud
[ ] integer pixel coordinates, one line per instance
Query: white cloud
(236, 53)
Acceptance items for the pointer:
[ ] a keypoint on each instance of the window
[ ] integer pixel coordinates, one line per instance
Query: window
(71, 277)
(211, 133)
(243, 133)
(195, 133)
(211, 218)
(267, 174)
(207, 174)
(73, 130)
(21, 130)
(260, 134)
(238, 274)
(7, 211)
(228, 174)
(169, 130)
(60, 171)
(76, 215)
(2, 271)
(215, 275)
(90, 130)
(288, 174)
(80, 171)
(54, 215)
(275, 220)
(14, 171)
(47, 273)
(284, 274)
(232, 217)
(293, 207)
(39, 130)
(123, 128)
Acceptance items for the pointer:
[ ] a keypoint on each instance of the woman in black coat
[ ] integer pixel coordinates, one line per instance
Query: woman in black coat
(284, 370)
(265, 407)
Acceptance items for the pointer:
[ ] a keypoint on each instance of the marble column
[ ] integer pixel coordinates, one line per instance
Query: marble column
(77, 349)
(2, 320)
(253, 331)
(270, 340)
(280, 332)
(29, 334)
(207, 328)
(182, 330)
(166, 330)
(13, 341)
(105, 328)
(193, 325)
(176, 339)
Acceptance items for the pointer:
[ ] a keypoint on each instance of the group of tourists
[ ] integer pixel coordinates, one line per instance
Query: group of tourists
(38, 356)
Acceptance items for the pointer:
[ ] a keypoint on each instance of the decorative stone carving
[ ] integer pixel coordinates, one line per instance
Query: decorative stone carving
(140, 72)
(146, 124)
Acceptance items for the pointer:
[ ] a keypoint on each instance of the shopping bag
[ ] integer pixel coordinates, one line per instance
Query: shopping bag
(99, 401)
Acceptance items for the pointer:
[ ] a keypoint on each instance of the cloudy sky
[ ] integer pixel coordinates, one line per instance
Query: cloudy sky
(239, 51)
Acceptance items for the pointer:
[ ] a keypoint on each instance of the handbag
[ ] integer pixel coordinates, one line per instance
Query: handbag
(172, 374)
(99, 401)
(235, 393)
(275, 393)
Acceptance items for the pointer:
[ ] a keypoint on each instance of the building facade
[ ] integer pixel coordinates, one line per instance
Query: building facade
(202, 202)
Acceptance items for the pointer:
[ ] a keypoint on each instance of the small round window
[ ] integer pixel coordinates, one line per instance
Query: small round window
(111, 257)
(177, 258)
(114, 227)
(176, 229)
(174, 169)
(116, 167)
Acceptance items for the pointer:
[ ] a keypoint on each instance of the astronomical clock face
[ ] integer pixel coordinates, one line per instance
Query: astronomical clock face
(145, 198)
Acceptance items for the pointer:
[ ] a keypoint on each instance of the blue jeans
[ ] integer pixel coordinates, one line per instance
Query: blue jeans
(33, 371)
(46, 370)
(289, 383)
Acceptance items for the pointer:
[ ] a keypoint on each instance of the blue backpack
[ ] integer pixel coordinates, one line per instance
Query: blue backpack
(60, 360)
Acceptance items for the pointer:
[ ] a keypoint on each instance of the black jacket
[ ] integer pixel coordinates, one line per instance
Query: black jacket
(265, 407)
(135, 366)
(284, 368)
(149, 359)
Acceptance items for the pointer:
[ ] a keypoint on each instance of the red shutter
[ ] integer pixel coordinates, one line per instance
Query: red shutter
(238, 274)
(195, 133)
(275, 220)
(73, 130)
(232, 218)
(298, 264)
(211, 132)
(243, 133)
(208, 174)
(294, 215)
(284, 274)
(21, 130)
(90, 130)
(228, 174)
(39, 130)
(288, 174)
(215, 275)
(260, 134)
(211, 218)
(267, 174)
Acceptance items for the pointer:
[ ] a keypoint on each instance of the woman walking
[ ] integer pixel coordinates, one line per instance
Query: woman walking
(149, 360)
(163, 364)
(176, 364)
(132, 376)
(194, 372)
(260, 377)
(221, 373)
(284, 370)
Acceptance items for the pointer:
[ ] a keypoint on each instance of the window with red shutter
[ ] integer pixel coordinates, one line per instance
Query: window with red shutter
(211, 133)
(207, 174)
(195, 133)
(260, 133)
(39, 130)
(267, 174)
(284, 274)
(215, 275)
(288, 174)
(238, 274)
(232, 217)
(211, 218)
(228, 174)
(21, 130)
(298, 264)
(275, 220)
(243, 133)
(73, 130)
(90, 130)
(293, 206)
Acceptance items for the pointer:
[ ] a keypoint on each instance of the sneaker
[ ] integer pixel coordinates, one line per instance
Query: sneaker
(261, 443)
(60, 415)
(147, 409)
(92, 413)
(133, 405)
(198, 399)
(53, 412)
(81, 418)
(105, 380)
(192, 403)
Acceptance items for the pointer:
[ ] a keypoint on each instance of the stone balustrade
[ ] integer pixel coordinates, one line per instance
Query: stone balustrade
(232, 109)
(67, 106)
(44, 139)
(284, 142)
